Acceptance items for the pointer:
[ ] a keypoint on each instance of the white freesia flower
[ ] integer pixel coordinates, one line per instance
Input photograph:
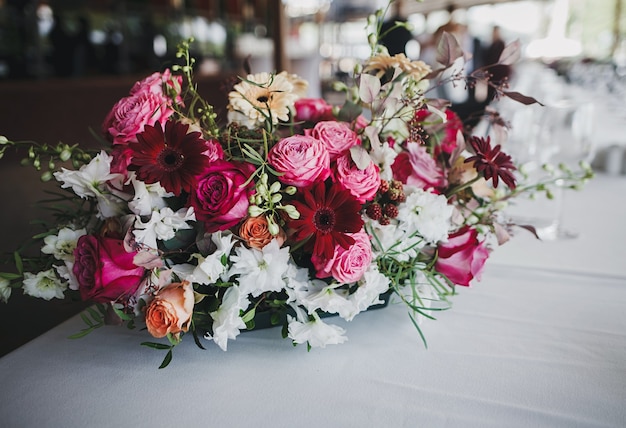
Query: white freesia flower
(163, 225)
(371, 286)
(45, 285)
(384, 156)
(211, 267)
(319, 295)
(62, 246)
(90, 179)
(316, 333)
(148, 197)
(5, 290)
(66, 272)
(226, 320)
(260, 270)
(425, 213)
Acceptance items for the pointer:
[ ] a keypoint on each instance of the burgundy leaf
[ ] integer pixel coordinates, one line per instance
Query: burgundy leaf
(511, 53)
(448, 50)
(524, 99)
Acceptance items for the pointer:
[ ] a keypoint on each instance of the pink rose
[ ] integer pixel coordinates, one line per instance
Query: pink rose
(302, 160)
(360, 122)
(336, 136)
(105, 271)
(171, 309)
(220, 200)
(463, 257)
(313, 110)
(154, 83)
(346, 265)
(131, 114)
(416, 167)
(362, 183)
(214, 150)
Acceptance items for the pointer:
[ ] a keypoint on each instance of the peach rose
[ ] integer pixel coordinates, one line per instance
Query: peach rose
(255, 232)
(170, 310)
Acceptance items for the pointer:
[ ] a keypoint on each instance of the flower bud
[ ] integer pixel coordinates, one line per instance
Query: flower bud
(275, 187)
(291, 211)
(272, 226)
(65, 155)
(255, 211)
(276, 198)
(291, 190)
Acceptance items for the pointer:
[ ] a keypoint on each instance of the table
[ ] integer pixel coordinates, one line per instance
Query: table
(539, 342)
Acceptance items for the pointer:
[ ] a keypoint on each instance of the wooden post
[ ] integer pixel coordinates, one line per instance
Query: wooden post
(279, 33)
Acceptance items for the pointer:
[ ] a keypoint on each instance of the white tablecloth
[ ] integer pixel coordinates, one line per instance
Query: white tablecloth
(539, 342)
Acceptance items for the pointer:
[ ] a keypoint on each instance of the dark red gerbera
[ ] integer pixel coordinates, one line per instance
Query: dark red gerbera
(173, 158)
(491, 162)
(326, 216)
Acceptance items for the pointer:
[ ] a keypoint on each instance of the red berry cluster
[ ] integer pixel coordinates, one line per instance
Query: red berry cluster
(385, 206)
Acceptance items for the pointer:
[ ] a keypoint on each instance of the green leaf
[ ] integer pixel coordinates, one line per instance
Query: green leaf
(155, 345)
(419, 330)
(122, 314)
(18, 262)
(81, 333)
(167, 360)
(249, 316)
(94, 314)
(349, 112)
(86, 320)
(9, 275)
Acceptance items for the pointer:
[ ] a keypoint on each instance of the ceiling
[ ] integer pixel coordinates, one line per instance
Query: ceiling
(425, 6)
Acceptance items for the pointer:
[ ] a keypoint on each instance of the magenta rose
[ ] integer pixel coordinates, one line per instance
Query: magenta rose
(302, 160)
(463, 257)
(104, 270)
(346, 265)
(131, 114)
(362, 183)
(336, 136)
(221, 199)
(313, 110)
(454, 125)
(416, 167)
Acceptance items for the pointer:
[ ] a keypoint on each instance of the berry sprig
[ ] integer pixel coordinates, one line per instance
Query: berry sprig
(384, 207)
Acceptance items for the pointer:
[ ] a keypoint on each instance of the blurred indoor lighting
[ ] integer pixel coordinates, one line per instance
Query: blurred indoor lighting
(296, 8)
(553, 47)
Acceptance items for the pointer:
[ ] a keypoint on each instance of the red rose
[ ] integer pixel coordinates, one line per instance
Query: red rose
(220, 200)
(313, 110)
(463, 257)
(104, 270)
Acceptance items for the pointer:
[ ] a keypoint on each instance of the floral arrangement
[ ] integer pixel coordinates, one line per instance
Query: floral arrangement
(292, 210)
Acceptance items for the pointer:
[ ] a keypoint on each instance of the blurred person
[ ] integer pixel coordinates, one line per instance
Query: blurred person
(393, 37)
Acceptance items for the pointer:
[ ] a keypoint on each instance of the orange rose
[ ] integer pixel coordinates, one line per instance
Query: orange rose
(170, 310)
(255, 232)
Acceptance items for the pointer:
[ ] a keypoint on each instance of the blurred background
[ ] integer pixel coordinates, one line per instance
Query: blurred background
(64, 63)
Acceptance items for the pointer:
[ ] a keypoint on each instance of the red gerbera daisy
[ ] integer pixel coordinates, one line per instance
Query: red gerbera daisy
(491, 162)
(326, 216)
(173, 158)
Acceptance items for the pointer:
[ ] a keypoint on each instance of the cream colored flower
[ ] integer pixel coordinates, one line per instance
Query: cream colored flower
(300, 86)
(382, 62)
(260, 97)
